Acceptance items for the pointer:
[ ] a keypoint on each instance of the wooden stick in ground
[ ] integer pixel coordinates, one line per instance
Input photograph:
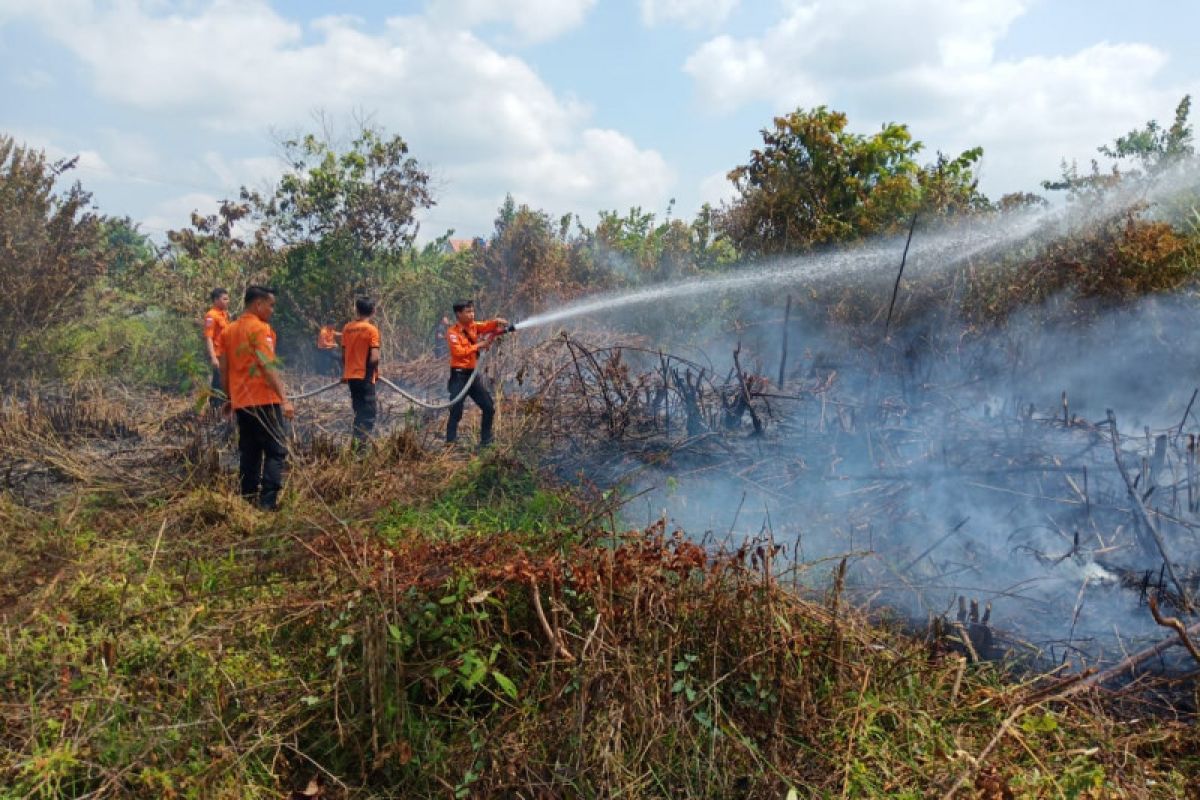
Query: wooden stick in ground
(666, 396)
(787, 313)
(758, 428)
(887, 326)
(1141, 513)
(551, 633)
(1190, 461)
(1186, 411)
(1132, 661)
(1175, 625)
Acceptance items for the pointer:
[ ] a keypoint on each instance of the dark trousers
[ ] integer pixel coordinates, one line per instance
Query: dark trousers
(362, 400)
(482, 398)
(262, 447)
(217, 397)
(329, 361)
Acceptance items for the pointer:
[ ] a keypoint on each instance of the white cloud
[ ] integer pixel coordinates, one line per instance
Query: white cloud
(690, 13)
(730, 72)
(131, 152)
(176, 212)
(605, 169)
(606, 164)
(12, 9)
(932, 64)
(533, 20)
(828, 44)
(255, 172)
(717, 188)
(52, 144)
(481, 117)
(94, 165)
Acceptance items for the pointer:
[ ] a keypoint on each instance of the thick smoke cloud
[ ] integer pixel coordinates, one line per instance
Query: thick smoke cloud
(942, 461)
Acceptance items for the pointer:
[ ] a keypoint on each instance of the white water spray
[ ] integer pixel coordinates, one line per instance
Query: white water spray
(940, 251)
(928, 253)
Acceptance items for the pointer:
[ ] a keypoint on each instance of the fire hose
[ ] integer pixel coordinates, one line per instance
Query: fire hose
(412, 398)
(434, 406)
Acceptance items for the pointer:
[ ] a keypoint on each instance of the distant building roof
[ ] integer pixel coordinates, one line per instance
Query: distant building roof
(458, 245)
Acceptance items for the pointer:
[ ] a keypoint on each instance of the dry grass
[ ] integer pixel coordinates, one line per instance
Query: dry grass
(418, 624)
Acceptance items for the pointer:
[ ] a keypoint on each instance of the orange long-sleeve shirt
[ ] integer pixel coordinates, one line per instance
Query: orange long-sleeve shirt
(464, 342)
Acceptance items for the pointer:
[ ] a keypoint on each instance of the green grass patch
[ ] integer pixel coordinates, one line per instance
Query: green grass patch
(492, 495)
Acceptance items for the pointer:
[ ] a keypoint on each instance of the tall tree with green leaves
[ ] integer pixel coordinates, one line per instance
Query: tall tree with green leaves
(223, 248)
(814, 182)
(526, 261)
(345, 220)
(51, 251)
(367, 194)
(1153, 147)
(1146, 153)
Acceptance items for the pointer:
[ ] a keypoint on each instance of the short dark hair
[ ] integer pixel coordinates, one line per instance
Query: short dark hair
(257, 293)
(459, 305)
(364, 306)
(216, 293)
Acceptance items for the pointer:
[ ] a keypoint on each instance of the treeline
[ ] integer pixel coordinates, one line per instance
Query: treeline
(86, 295)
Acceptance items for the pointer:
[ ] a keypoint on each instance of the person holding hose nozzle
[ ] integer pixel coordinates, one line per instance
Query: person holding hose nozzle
(257, 397)
(467, 338)
(360, 368)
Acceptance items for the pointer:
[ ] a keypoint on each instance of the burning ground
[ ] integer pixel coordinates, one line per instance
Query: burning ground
(953, 471)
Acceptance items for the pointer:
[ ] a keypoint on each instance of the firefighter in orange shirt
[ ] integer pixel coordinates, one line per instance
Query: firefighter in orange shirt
(257, 397)
(327, 344)
(360, 367)
(216, 319)
(467, 338)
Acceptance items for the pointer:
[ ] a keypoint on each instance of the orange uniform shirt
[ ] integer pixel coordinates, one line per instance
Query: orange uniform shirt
(248, 343)
(358, 338)
(215, 322)
(464, 342)
(326, 339)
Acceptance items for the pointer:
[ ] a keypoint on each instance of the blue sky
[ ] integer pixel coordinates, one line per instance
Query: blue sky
(570, 105)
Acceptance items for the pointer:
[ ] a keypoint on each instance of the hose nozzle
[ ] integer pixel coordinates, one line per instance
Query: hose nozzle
(512, 327)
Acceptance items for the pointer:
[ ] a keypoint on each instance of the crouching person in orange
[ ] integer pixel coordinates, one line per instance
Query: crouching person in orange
(360, 369)
(467, 339)
(257, 396)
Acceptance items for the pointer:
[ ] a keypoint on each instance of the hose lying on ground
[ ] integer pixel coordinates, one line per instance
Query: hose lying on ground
(314, 392)
(426, 404)
(401, 392)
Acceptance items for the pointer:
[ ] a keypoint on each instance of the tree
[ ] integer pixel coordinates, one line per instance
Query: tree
(816, 183)
(50, 250)
(640, 249)
(368, 194)
(713, 251)
(346, 219)
(526, 261)
(1152, 149)
(223, 248)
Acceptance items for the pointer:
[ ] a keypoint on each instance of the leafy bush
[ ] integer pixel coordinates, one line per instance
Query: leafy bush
(50, 252)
